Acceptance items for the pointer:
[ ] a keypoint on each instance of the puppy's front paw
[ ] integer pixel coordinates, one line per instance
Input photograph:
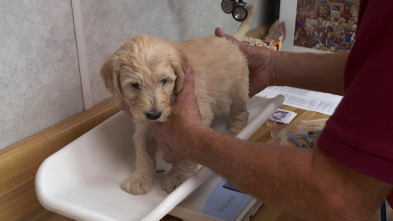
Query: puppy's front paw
(171, 181)
(138, 184)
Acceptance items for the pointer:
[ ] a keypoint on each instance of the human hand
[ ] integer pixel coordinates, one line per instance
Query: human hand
(259, 63)
(173, 135)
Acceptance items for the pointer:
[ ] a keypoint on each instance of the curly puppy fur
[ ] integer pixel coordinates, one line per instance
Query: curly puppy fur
(147, 73)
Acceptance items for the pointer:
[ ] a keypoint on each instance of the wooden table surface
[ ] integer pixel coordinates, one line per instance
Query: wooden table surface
(262, 135)
(22, 204)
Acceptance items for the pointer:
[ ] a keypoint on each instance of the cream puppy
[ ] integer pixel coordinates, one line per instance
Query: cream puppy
(147, 73)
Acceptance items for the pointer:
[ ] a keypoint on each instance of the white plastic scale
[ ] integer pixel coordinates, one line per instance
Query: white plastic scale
(82, 180)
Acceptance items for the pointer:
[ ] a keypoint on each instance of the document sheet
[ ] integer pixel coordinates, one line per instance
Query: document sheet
(304, 99)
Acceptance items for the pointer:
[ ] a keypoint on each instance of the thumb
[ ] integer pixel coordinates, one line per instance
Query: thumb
(220, 33)
(188, 82)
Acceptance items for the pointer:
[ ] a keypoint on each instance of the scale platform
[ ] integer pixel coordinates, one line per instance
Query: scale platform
(82, 180)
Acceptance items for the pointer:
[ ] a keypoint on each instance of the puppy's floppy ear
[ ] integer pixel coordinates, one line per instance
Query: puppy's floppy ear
(110, 75)
(179, 65)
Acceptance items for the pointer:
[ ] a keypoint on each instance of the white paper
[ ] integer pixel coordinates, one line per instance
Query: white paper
(304, 99)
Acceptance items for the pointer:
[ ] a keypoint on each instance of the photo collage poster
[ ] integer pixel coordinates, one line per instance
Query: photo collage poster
(327, 25)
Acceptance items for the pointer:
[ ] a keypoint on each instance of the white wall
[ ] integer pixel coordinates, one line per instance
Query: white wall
(40, 78)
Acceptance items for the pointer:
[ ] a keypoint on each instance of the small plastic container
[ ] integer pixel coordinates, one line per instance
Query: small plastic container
(275, 132)
(270, 123)
(316, 122)
(301, 128)
(283, 137)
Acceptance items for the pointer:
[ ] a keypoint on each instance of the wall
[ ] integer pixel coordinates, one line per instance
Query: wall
(39, 73)
(52, 50)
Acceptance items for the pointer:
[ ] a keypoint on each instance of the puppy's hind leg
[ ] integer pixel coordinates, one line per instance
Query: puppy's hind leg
(141, 180)
(238, 113)
(181, 170)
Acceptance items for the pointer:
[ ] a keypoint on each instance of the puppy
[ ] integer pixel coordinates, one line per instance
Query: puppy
(147, 73)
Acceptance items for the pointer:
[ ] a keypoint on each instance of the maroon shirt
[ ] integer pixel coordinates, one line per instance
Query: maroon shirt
(360, 132)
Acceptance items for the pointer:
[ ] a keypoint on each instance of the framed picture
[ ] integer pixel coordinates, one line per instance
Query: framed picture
(308, 7)
(319, 26)
(336, 11)
(323, 11)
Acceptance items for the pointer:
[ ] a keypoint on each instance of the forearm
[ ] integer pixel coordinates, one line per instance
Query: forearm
(320, 72)
(296, 180)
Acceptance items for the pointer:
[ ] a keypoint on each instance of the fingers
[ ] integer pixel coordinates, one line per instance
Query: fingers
(165, 142)
(170, 158)
(126, 108)
(169, 154)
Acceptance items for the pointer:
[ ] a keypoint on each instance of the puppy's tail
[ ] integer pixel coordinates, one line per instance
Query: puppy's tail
(240, 34)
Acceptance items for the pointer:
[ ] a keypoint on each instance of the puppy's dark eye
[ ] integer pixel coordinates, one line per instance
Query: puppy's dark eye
(135, 85)
(163, 81)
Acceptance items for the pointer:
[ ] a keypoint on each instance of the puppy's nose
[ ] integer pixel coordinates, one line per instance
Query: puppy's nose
(153, 115)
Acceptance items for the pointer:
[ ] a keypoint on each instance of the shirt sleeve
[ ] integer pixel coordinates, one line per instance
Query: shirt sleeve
(360, 132)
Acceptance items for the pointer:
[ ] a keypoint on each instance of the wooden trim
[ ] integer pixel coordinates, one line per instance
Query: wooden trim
(20, 161)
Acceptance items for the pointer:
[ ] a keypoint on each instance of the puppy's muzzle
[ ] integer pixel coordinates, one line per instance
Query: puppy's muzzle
(153, 115)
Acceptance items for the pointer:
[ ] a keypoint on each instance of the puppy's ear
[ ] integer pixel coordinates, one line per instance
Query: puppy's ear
(179, 65)
(110, 75)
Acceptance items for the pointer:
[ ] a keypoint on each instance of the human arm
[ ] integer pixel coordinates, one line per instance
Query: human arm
(305, 182)
(320, 72)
